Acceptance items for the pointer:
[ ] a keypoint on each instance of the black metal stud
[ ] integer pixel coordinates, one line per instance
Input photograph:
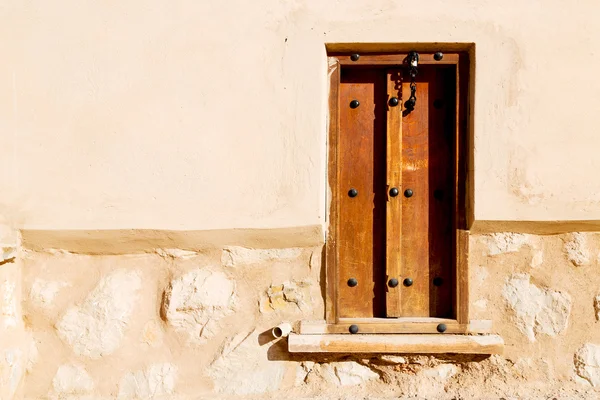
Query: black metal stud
(441, 328)
(355, 57)
(437, 281)
(438, 56)
(352, 192)
(394, 192)
(353, 329)
(394, 101)
(393, 282)
(352, 282)
(408, 193)
(407, 282)
(354, 104)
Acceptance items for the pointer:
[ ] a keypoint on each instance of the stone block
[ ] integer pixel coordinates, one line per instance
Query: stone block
(576, 249)
(43, 292)
(441, 372)
(12, 371)
(288, 294)
(242, 367)
(344, 373)
(537, 310)
(195, 302)
(156, 381)
(235, 256)
(71, 379)
(587, 363)
(96, 327)
(505, 242)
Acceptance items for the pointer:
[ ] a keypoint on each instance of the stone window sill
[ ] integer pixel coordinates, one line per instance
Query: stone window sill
(396, 343)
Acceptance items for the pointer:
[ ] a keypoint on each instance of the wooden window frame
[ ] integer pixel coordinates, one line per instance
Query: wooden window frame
(460, 324)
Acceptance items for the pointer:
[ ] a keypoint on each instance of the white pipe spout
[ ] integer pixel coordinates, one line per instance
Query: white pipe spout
(282, 330)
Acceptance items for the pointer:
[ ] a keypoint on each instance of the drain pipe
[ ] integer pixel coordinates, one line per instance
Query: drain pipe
(282, 330)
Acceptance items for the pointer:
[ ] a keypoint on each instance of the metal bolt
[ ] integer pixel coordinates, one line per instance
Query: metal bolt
(352, 192)
(438, 56)
(352, 282)
(394, 192)
(413, 58)
(408, 193)
(408, 282)
(355, 57)
(393, 282)
(354, 104)
(394, 101)
(441, 328)
(353, 329)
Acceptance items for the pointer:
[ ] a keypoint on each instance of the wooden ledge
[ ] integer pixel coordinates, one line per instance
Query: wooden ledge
(421, 344)
(395, 325)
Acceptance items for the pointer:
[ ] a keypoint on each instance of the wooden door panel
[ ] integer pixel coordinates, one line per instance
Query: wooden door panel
(394, 204)
(361, 160)
(380, 237)
(415, 216)
(442, 107)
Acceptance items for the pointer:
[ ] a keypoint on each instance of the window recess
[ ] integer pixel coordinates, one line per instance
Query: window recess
(397, 245)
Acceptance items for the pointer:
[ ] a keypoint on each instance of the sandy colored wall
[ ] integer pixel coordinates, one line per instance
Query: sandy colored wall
(209, 115)
(167, 124)
(180, 324)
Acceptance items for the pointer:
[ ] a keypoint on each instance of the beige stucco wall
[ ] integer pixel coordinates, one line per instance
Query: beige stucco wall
(206, 115)
(135, 135)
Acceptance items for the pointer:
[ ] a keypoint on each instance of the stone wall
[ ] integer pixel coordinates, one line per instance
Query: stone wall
(176, 324)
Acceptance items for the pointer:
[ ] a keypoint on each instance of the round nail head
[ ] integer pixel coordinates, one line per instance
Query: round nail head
(441, 328)
(407, 282)
(408, 193)
(354, 104)
(355, 57)
(352, 192)
(352, 282)
(438, 56)
(353, 329)
(393, 282)
(394, 101)
(394, 192)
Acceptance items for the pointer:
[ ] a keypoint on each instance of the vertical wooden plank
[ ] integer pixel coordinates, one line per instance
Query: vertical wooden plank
(467, 88)
(415, 216)
(462, 149)
(442, 189)
(462, 156)
(331, 251)
(361, 156)
(455, 215)
(394, 204)
(462, 276)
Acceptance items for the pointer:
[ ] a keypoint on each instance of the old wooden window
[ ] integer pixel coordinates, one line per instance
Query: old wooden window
(397, 242)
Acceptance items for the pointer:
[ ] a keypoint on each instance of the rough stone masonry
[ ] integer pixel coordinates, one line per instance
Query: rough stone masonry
(177, 324)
